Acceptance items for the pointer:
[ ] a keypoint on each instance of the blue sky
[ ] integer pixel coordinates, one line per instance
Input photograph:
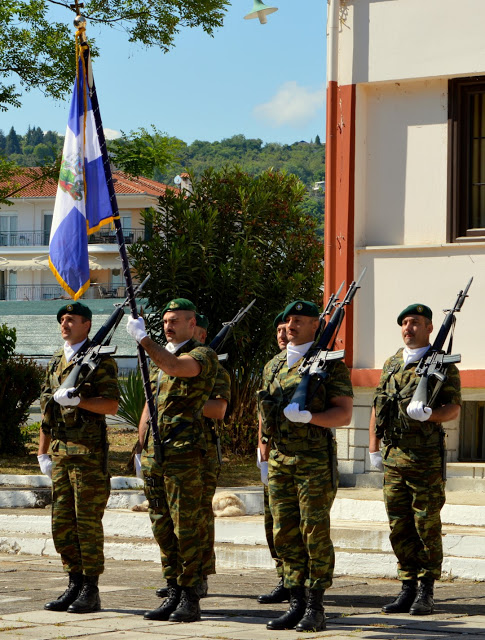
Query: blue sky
(265, 81)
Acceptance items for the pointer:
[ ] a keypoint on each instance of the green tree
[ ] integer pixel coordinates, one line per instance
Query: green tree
(43, 153)
(20, 382)
(13, 142)
(34, 136)
(52, 138)
(36, 50)
(139, 153)
(3, 142)
(317, 140)
(234, 238)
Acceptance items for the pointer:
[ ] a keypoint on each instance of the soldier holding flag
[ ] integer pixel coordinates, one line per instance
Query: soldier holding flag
(183, 383)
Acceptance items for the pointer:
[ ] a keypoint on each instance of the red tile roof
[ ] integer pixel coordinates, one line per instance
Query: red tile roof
(124, 185)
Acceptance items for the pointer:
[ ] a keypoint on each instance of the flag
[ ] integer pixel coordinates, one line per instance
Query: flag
(83, 200)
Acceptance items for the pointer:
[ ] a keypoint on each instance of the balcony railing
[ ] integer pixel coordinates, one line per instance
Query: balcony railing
(55, 292)
(41, 238)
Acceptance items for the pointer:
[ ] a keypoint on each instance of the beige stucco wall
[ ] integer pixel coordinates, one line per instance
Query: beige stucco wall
(401, 163)
(387, 40)
(401, 183)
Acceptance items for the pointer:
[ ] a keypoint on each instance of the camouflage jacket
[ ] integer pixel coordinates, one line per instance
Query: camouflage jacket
(279, 385)
(394, 392)
(221, 390)
(76, 431)
(180, 401)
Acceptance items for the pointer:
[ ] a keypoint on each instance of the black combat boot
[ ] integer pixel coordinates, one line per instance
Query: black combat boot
(423, 605)
(279, 594)
(203, 587)
(314, 618)
(162, 592)
(169, 605)
(294, 614)
(88, 600)
(70, 594)
(188, 609)
(404, 600)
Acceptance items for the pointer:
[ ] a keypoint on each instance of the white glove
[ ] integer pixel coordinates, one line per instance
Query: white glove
(138, 472)
(293, 413)
(63, 399)
(417, 411)
(263, 466)
(376, 460)
(264, 473)
(136, 328)
(45, 464)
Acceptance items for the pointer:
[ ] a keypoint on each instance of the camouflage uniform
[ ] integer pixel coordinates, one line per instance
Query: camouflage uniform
(302, 474)
(80, 479)
(174, 488)
(211, 468)
(268, 517)
(414, 488)
(268, 530)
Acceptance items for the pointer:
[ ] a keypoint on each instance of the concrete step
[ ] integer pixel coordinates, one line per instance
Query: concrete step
(355, 504)
(240, 542)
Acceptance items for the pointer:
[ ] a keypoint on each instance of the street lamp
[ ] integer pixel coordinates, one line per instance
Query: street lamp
(260, 10)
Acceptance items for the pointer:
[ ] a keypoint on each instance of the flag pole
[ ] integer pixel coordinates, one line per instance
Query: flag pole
(79, 23)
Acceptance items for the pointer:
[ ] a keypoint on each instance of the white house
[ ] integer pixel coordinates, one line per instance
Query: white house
(405, 193)
(24, 239)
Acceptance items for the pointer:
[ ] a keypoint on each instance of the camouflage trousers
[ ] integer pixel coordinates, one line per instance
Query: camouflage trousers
(300, 498)
(174, 492)
(414, 496)
(210, 474)
(80, 491)
(268, 528)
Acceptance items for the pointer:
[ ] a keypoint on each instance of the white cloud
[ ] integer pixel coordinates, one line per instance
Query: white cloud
(291, 105)
(111, 134)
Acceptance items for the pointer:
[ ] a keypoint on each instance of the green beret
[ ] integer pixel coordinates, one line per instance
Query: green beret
(278, 320)
(202, 321)
(77, 308)
(301, 308)
(179, 304)
(415, 309)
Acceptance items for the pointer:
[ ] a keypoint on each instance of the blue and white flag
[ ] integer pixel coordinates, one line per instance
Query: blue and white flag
(83, 202)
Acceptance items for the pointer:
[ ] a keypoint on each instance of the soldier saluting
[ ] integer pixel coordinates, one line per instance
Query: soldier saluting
(75, 429)
(413, 438)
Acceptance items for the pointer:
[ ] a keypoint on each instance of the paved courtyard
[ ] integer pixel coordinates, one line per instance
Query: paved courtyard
(229, 613)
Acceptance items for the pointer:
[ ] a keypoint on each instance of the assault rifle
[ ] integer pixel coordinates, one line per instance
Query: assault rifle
(320, 353)
(435, 362)
(99, 346)
(227, 327)
(331, 303)
(217, 344)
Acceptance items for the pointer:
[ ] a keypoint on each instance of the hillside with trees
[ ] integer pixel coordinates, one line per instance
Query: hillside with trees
(34, 149)
(306, 160)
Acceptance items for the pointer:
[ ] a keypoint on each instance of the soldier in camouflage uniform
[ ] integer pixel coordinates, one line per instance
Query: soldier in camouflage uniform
(280, 593)
(303, 468)
(182, 385)
(413, 461)
(75, 429)
(214, 409)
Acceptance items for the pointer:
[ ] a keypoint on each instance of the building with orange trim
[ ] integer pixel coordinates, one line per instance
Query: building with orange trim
(405, 194)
